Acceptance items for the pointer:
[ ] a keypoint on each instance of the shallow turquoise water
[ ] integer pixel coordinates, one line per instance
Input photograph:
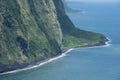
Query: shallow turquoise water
(85, 63)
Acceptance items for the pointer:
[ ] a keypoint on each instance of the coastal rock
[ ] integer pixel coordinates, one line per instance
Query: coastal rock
(36, 30)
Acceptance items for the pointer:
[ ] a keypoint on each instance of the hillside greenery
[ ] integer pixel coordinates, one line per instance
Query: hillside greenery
(36, 30)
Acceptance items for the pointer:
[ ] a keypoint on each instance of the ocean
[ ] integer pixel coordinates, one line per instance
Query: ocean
(98, 63)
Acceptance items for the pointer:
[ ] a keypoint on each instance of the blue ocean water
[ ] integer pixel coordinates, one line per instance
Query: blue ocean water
(101, 63)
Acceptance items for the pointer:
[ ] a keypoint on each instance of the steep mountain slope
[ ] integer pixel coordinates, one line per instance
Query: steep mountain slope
(29, 31)
(68, 9)
(74, 37)
(36, 30)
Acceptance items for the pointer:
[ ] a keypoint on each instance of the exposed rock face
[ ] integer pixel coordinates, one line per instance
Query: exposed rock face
(35, 30)
(29, 31)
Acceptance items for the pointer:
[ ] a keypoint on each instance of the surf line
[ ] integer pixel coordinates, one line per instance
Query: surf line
(38, 65)
(53, 59)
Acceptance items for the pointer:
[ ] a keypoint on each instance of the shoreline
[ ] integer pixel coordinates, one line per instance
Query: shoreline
(99, 46)
(37, 65)
(53, 59)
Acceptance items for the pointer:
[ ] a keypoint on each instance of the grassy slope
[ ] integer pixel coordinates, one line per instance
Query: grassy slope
(30, 31)
(74, 37)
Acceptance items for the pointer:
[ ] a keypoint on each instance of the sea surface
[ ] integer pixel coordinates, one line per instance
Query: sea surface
(98, 63)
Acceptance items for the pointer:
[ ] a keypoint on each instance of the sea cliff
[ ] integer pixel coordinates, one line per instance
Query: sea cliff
(32, 31)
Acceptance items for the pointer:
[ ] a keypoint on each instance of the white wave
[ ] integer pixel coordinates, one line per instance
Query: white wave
(107, 44)
(52, 59)
(109, 40)
(38, 65)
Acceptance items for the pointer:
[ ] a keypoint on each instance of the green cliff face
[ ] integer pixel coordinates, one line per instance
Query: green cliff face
(74, 37)
(35, 30)
(29, 31)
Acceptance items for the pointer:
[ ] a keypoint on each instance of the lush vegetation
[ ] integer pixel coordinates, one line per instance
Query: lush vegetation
(35, 30)
(29, 32)
(74, 37)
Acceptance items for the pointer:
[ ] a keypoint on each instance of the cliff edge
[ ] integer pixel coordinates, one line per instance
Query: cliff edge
(35, 30)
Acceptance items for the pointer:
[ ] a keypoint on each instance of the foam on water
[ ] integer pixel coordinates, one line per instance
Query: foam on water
(52, 59)
(107, 44)
(38, 65)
